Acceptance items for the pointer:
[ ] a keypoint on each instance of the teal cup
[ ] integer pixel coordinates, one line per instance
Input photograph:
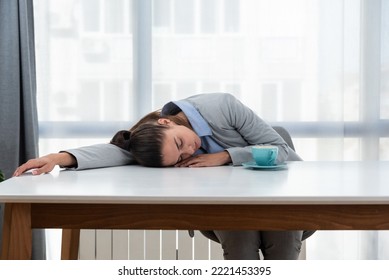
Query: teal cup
(265, 155)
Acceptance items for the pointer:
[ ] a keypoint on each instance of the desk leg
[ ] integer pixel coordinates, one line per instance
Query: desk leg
(70, 244)
(17, 232)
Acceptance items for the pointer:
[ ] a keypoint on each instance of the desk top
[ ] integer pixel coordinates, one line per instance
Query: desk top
(300, 183)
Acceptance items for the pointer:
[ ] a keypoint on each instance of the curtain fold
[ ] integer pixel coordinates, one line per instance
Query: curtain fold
(18, 110)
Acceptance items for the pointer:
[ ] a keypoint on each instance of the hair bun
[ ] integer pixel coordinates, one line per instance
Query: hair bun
(122, 139)
(126, 135)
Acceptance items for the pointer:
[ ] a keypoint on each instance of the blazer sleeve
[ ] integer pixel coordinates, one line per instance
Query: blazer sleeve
(100, 155)
(253, 130)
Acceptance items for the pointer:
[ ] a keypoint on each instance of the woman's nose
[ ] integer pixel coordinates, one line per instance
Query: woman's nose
(189, 151)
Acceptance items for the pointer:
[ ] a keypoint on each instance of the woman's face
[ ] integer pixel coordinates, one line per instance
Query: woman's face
(180, 143)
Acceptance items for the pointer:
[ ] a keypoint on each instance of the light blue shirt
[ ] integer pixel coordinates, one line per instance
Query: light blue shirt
(201, 127)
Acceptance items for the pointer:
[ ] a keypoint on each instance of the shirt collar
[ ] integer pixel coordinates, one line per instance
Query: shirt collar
(199, 125)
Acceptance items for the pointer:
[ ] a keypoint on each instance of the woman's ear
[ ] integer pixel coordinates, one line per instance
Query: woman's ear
(164, 121)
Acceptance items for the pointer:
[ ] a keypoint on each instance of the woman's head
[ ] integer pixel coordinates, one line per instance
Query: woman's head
(157, 141)
(179, 142)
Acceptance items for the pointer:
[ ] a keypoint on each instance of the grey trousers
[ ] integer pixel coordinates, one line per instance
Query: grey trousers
(274, 245)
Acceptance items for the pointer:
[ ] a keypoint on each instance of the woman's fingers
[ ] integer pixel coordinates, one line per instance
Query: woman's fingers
(39, 166)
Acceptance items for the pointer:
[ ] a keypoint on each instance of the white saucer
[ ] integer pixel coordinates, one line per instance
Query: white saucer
(252, 164)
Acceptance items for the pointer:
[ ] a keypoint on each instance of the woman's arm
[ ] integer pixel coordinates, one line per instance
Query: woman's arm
(236, 127)
(100, 155)
(206, 160)
(46, 163)
(254, 130)
(94, 156)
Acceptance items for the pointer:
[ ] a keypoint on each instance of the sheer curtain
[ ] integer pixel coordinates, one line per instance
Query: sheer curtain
(317, 67)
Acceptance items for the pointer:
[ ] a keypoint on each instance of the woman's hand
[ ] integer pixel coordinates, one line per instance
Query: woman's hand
(206, 160)
(46, 163)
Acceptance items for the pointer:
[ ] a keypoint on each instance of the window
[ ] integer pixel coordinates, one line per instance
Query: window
(319, 68)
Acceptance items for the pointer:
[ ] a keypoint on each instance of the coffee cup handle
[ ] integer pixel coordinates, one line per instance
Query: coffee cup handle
(272, 157)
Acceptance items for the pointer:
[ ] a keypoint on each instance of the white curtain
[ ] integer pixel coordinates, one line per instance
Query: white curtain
(318, 67)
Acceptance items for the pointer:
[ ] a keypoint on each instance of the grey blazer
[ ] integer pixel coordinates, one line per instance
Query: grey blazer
(234, 126)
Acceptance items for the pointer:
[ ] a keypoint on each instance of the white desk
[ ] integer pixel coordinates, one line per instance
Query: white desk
(306, 195)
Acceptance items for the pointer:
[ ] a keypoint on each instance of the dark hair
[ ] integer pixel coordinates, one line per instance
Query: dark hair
(144, 140)
(144, 143)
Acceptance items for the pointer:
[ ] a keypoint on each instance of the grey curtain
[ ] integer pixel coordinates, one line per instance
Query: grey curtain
(18, 112)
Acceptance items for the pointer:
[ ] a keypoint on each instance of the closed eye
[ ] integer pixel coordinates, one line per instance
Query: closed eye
(178, 145)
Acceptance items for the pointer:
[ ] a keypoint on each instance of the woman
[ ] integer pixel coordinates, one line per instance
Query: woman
(202, 130)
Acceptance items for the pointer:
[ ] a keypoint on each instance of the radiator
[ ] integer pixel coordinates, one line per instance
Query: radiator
(150, 245)
(146, 245)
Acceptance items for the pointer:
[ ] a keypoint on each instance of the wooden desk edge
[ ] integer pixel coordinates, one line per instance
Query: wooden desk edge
(20, 218)
(203, 217)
